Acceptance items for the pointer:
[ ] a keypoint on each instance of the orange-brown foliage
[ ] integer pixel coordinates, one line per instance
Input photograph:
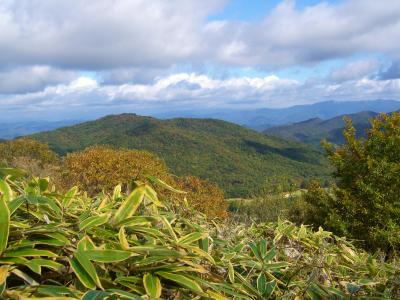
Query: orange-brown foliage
(100, 168)
(203, 195)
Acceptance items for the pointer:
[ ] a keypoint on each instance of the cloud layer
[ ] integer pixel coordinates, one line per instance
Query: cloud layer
(149, 54)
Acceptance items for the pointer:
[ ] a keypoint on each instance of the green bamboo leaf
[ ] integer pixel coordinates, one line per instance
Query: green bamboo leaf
(81, 273)
(262, 283)
(169, 228)
(97, 295)
(161, 183)
(69, 196)
(29, 253)
(25, 277)
(6, 191)
(85, 244)
(269, 288)
(130, 205)
(94, 221)
(108, 256)
(84, 261)
(15, 204)
(192, 237)
(231, 272)
(152, 285)
(204, 244)
(182, 281)
(4, 224)
(15, 173)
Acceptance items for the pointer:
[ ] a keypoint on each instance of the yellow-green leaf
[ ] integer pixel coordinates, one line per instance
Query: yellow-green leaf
(182, 281)
(4, 224)
(81, 273)
(6, 191)
(94, 221)
(84, 261)
(108, 256)
(152, 285)
(130, 205)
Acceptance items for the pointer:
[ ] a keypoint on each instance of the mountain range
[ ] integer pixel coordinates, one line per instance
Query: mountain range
(314, 130)
(258, 119)
(237, 158)
(261, 119)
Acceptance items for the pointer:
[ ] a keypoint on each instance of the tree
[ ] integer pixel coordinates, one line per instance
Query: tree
(366, 201)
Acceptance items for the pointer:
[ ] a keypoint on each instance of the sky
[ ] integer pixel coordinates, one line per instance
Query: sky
(70, 58)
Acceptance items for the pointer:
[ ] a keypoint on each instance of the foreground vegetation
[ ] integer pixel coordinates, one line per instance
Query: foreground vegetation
(141, 246)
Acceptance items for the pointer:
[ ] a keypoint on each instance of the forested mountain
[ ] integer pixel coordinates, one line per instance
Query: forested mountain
(314, 130)
(237, 158)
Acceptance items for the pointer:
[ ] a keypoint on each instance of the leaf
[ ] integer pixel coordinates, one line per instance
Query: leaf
(130, 205)
(191, 237)
(4, 224)
(85, 244)
(152, 285)
(6, 191)
(94, 221)
(81, 273)
(3, 273)
(161, 183)
(25, 277)
(182, 281)
(15, 204)
(12, 172)
(69, 196)
(269, 288)
(29, 253)
(108, 256)
(262, 283)
(84, 261)
(231, 272)
(122, 238)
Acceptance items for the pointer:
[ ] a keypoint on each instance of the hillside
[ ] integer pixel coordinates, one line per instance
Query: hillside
(236, 158)
(314, 130)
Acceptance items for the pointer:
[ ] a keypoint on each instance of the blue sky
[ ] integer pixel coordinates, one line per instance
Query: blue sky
(63, 59)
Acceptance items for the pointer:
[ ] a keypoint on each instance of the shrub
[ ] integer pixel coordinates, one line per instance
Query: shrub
(134, 247)
(100, 168)
(203, 195)
(11, 151)
(364, 205)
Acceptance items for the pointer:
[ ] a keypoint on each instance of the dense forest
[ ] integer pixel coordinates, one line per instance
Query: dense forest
(238, 159)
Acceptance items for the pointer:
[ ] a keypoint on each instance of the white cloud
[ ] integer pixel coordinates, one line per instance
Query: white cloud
(32, 78)
(196, 91)
(355, 70)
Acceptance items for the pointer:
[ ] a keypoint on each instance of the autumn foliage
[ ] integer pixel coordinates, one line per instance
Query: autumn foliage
(203, 195)
(100, 168)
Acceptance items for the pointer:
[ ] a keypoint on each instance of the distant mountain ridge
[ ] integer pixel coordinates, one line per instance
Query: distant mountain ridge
(257, 119)
(261, 119)
(237, 158)
(314, 130)
(15, 129)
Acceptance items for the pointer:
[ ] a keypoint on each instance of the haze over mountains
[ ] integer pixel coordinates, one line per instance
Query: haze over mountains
(237, 158)
(258, 119)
